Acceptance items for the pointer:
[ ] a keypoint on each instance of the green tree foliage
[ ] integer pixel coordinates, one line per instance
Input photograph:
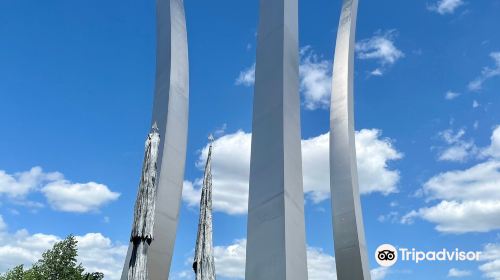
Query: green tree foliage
(16, 273)
(58, 263)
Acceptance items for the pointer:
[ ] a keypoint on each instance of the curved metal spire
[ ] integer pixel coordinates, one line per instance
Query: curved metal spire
(349, 235)
(170, 113)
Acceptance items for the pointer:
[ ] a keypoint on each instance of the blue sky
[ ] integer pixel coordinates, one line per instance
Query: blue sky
(75, 105)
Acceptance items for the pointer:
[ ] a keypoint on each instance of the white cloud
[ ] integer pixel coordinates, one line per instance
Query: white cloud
(377, 72)
(469, 200)
(231, 164)
(246, 77)
(230, 170)
(21, 183)
(450, 137)
(230, 260)
(476, 183)
(459, 150)
(315, 80)
(455, 153)
(96, 252)
(320, 265)
(487, 73)
(381, 48)
(457, 273)
(491, 255)
(461, 217)
(373, 154)
(494, 149)
(315, 73)
(450, 95)
(61, 194)
(69, 197)
(445, 6)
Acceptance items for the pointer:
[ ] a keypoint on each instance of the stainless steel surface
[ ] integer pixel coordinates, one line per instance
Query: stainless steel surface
(276, 247)
(203, 265)
(349, 236)
(170, 112)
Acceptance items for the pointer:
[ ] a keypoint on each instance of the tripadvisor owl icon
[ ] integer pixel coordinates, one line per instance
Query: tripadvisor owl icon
(386, 255)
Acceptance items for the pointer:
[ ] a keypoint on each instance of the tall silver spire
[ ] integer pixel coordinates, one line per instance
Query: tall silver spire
(276, 236)
(203, 264)
(349, 234)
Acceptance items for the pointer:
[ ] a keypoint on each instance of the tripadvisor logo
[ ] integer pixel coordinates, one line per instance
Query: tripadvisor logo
(387, 255)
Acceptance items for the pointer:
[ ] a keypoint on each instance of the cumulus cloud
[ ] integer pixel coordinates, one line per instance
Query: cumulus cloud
(231, 165)
(381, 48)
(445, 6)
(315, 80)
(320, 265)
(96, 252)
(491, 257)
(230, 173)
(457, 273)
(486, 74)
(60, 193)
(246, 77)
(73, 197)
(476, 183)
(21, 183)
(230, 260)
(494, 149)
(461, 217)
(374, 154)
(458, 149)
(467, 200)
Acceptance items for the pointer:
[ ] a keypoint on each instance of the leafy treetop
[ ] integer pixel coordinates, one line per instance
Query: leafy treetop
(58, 263)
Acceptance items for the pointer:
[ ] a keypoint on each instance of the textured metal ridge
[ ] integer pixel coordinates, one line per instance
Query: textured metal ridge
(203, 264)
(349, 236)
(142, 228)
